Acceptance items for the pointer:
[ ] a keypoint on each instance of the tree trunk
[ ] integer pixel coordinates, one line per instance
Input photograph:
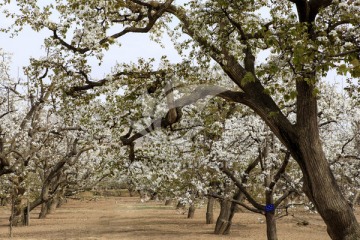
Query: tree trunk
(271, 226)
(61, 201)
(18, 214)
(319, 183)
(19, 203)
(154, 196)
(3, 201)
(321, 188)
(168, 202)
(210, 210)
(51, 205)
(233, 209)
(26, 214)
(228, 215)
(132, 193)
(222, 224)
(47, 207)
(239, 196)
(180, 205)
(44, 211)
(191, 211)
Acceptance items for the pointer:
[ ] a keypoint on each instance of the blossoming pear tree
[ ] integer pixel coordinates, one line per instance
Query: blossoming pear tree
(303, 38)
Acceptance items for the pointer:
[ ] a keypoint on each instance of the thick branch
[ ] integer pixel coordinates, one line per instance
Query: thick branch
(307, 10)
(237, 202)
(342, 54)
(283, 197)
(199, 93)
(245, 36)
(280, 171)
(260, 102)
(92, 84)
(242, 189)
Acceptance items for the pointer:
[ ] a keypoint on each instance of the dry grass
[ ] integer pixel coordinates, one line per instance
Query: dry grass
(128, 218)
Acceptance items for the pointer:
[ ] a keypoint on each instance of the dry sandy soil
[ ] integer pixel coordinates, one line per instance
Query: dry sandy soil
(128, 218)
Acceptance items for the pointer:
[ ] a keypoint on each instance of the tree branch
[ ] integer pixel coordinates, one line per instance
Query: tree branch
(92, 84)
(327, 122)
(242, 189)
(280, 171)
(237, 202)
(307, 10)
(153, 17)
(261, 102)
(357, 50)
(199, 93)
(283, 197)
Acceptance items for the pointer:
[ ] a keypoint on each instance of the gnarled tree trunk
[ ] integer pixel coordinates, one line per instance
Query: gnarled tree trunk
(239, 196)
(210, 210)
(321, 188)
(17, 218)
(43, 211)
(52, 204)
(48, 207)
(180, 205)
(228, 215)
(191, 211)
(319, 183)
(168, 202)
(222, 223)
(61, 197)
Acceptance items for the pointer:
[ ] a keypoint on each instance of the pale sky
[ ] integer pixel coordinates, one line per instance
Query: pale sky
(29, 44)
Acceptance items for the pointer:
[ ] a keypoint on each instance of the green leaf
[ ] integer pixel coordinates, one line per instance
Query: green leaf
(315, 92)
(293, 94)
(342, 69)
(248, 78)
(273, 114)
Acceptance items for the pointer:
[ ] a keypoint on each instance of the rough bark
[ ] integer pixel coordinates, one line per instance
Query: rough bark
(180, 205)
(191, 211)
(154, 196)
(239, 196)
(355, 199)
(168, 202)
(27, 214)
(4, 201)
(43, 211)
(52, 204)
(271, 226)
(319, 183)
(233, 209)
(270, 214)
(61, 201)
(210, 210)
(222, 223)
(47, 208)
(17, 218)
(321, 188)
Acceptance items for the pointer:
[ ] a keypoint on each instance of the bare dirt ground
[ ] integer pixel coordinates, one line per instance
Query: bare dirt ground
(128, 218)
